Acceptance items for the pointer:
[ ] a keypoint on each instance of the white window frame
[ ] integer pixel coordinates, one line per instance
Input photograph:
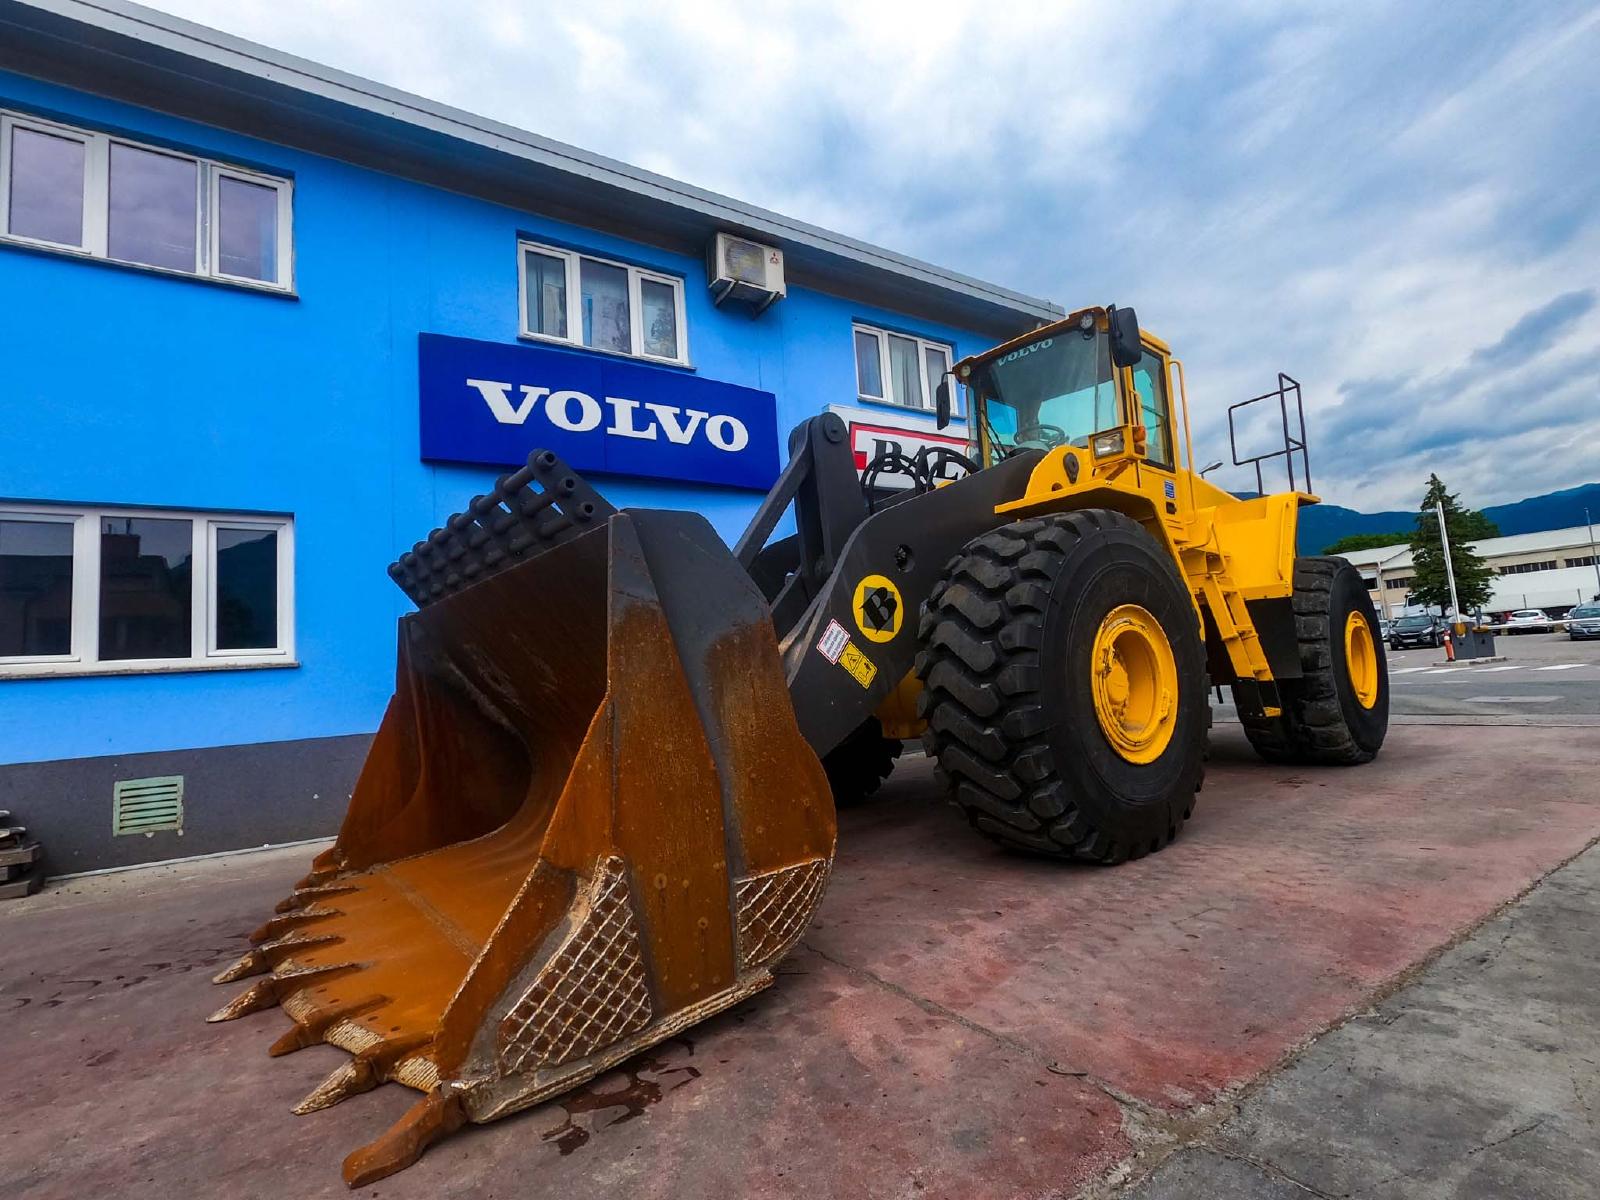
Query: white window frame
(97, 203)
(84, 656)
(574, 314)
(200, 189)
(927, 401)
(213, 220)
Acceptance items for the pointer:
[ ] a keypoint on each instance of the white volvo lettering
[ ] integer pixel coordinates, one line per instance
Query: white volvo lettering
(498, 397)
(727, 433)
(579, 412)
(622, 414)
(558, 409)
(667, 414)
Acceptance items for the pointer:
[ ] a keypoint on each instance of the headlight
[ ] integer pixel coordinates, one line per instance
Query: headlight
(1107, 444)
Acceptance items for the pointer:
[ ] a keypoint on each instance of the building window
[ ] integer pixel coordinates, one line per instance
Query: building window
(1398, 585)
(580, 300)
(1528, 568)
(105, 197)
(94, 591)
(894, 368)
(1586, 560)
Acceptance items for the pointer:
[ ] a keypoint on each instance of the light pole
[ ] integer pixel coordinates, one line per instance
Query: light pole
(1449, 567)
(1593, 557)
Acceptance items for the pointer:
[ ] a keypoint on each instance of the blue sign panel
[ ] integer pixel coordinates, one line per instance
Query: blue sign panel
(487, 402)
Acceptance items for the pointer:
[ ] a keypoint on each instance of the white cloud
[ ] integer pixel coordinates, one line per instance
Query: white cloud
(1372, 191)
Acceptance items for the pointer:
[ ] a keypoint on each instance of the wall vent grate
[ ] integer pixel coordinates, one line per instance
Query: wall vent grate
(147, 805)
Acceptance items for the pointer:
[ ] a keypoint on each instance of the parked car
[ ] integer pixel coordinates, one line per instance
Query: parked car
(1528, 620)
(1418, 629)
(1584, 622)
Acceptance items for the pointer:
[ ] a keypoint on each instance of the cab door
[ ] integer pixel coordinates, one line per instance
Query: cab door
(1154, 411)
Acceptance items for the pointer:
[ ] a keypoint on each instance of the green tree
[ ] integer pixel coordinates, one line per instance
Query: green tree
(1430, 584)
(1365, 541)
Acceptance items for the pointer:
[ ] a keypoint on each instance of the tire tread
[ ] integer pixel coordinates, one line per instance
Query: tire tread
(1312, 729)
(983, 631)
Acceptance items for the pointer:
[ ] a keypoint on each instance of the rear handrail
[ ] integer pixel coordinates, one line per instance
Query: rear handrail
(1291, 444)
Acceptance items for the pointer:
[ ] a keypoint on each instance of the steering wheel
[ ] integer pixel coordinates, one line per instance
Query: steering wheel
(1051, 435)
(932, 460)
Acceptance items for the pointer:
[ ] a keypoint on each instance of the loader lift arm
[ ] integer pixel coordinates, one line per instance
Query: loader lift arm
(812, 577)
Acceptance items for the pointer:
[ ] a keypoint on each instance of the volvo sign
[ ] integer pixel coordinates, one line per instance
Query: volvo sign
(487, 402)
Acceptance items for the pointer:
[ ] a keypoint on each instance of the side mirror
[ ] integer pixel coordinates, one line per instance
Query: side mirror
(943, 402)
(1125, 348)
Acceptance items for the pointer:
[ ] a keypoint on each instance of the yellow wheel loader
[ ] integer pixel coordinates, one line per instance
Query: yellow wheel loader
(600, 806)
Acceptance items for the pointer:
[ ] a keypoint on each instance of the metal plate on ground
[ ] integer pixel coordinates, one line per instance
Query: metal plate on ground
(24, 884)
(19, 855)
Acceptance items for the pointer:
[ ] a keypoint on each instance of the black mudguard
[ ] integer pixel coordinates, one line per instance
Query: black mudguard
(909, 544)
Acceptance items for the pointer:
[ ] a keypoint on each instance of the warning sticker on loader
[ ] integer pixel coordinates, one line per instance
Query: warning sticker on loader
(858, 664)
(833, 641)
(878, 608)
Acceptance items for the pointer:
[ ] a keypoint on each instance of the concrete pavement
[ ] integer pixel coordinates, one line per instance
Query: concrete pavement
(1479, 1081)
(1544, 676)
(959, 1022)
(1537, 678)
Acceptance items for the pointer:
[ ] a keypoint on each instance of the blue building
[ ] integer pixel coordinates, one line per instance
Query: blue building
(263, 325)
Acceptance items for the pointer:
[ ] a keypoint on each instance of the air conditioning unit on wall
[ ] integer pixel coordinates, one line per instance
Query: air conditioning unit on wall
(745, 271)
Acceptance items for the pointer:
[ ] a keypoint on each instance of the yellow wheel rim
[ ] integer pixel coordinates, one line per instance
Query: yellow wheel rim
(1361, 659)
(1135, 683)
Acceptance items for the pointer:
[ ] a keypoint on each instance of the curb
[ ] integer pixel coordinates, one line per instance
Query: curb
(1472, 662)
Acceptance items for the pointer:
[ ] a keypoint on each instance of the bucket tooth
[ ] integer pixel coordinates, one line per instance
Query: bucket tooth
(303, 896)
(317, 877)
(312, 1031)
(251, 962)
(362, 1073)
(438, 1114)
(346, 1080)
(260, 994)
(258, 960)
(278, 926)
(275, 952)
(268, 992)
(323, 868)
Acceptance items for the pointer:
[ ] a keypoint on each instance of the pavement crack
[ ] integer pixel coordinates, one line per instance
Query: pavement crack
(1570, 1061)
(1515, 1133)
(1270, 1169)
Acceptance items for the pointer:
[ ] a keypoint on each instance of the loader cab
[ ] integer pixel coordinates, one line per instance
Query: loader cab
(1093, 381)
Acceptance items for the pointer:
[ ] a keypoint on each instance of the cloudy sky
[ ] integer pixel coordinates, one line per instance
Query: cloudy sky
(1396, 203)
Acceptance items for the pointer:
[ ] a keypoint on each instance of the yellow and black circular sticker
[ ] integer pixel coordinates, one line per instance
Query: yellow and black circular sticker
(878, 608)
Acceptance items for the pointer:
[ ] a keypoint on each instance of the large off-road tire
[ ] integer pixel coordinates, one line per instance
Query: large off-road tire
(1021, 721)
(1337, 712)
(858, 765)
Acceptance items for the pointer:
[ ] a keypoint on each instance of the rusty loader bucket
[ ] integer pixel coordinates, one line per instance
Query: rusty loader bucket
(587, 821)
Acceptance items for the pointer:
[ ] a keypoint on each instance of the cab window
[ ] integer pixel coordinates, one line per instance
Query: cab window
(1150, 381)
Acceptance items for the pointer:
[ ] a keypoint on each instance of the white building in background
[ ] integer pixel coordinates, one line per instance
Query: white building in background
(1551, 570)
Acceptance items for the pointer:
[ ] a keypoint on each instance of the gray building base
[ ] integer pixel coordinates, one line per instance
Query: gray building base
(234, 797)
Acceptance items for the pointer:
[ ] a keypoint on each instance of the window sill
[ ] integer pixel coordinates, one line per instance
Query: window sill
(67, 670)
(70, 254)
(534, 339)
(908, 410)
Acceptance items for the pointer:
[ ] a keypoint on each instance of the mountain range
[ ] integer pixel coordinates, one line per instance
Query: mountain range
(1323, 524)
